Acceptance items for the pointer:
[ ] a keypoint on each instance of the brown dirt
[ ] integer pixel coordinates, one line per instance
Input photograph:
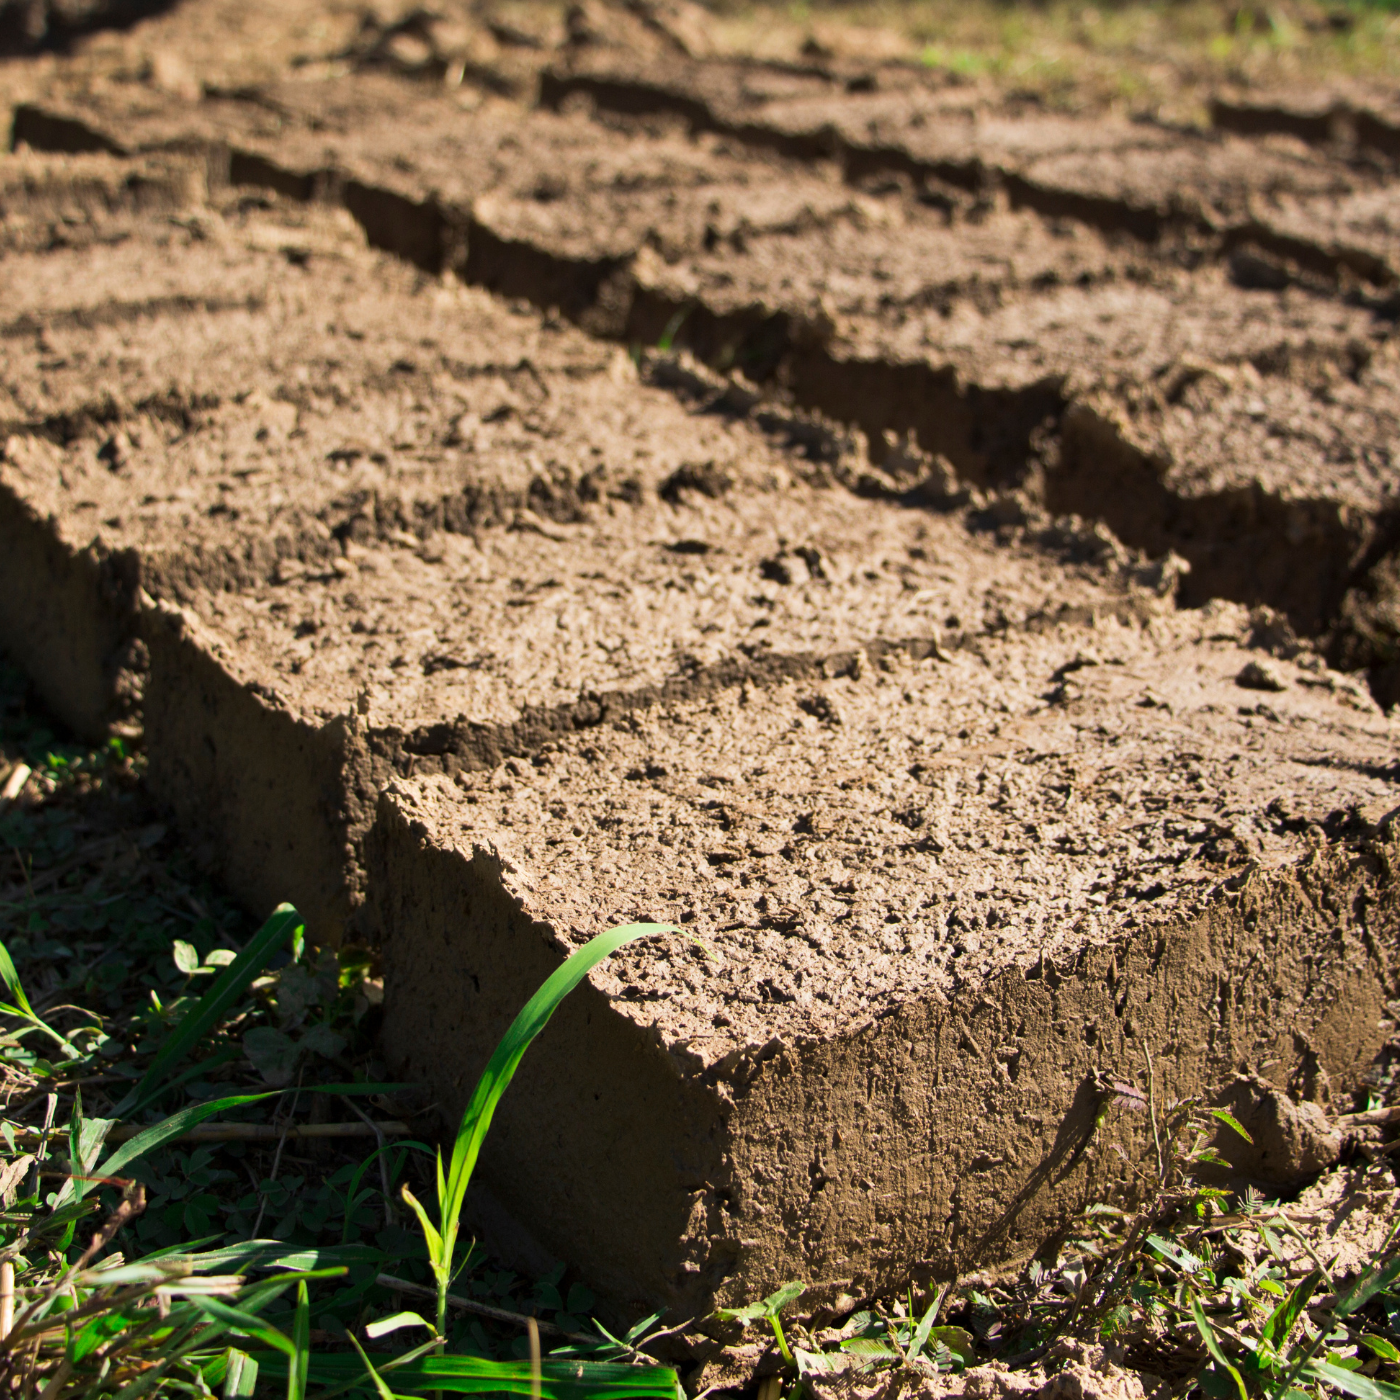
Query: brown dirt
(889, 629)
(1070, 1371)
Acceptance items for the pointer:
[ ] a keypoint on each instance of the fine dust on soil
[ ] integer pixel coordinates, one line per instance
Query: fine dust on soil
(519, 471)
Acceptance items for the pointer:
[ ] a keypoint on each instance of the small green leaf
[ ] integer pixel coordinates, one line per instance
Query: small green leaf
(1230, 1121)
(751, 1312)
(788, 1294)
(186, 957)
(322, 1040)
(272, 1053)
(958, 1341)
(1174, 1253)
(384, 1325)
(819, 1363)
(211, 1008)
(870, 1347)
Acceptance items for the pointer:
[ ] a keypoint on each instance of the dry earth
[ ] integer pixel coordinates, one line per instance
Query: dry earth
(940, 552)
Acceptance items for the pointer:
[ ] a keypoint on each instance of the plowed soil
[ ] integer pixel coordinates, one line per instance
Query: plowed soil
(941, 553)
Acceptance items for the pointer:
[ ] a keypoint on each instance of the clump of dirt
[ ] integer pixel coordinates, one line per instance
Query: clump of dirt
(1288, 1142)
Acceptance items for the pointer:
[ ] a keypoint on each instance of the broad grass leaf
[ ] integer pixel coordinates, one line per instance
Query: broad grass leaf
(1283, 1317)
(241, 1377)
(434, 1239)
(1349, 1383)
(381, 1327)
(172, 1127)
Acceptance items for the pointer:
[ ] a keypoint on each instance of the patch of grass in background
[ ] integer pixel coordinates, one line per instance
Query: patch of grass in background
(1151, 57)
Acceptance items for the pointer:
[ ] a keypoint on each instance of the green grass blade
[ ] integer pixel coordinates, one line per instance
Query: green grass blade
(241, 1377)
(431, 1235)
(86, 1137)
(472, 1375)
(172, 1127)
(500, 1069)
(1365, 1288)
(249, 1324)
(1198, 1315)
(10, 975)
(301, 1343)
(384, 1392)
(920, 1338)
(212, 1006)
(274, 1254)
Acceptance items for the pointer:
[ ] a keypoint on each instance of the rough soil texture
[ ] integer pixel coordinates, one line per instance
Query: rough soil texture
(1069, 1371)
(522, 479)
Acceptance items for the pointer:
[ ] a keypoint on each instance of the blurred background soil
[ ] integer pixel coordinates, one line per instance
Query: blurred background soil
(1159, 59)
